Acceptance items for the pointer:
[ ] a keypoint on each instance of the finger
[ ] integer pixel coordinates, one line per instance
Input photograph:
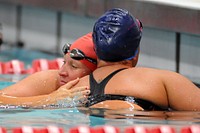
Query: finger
(86, 92)
(83, 93)
(70, 84)
(78, 89)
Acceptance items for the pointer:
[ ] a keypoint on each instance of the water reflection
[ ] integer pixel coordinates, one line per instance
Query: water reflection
(11, 116)
(184, 116)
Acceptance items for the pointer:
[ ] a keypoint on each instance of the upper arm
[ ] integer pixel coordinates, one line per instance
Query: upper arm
(43, 82)
(182, 93)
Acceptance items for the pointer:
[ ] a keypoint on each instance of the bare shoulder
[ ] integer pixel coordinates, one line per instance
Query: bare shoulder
(144, 71)
(153, 72)
(162, 77)
(169, 79)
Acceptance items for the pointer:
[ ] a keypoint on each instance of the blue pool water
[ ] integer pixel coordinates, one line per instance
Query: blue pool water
(27, 56)
(67, 118)
(4, 84)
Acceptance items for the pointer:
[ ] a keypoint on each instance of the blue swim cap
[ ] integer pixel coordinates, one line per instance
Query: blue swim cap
(117, 35)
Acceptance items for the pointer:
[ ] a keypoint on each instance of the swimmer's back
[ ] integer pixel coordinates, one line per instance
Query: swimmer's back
(145, 83)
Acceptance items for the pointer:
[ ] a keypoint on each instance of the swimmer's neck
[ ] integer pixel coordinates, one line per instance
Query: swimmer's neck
(121, 64)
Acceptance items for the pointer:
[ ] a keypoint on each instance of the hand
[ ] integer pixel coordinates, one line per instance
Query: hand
(66, 94)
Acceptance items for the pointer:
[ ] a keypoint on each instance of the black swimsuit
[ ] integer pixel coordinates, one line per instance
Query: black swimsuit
(97, 94)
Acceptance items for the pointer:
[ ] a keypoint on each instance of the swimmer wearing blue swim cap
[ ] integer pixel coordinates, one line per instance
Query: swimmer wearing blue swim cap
(117, 35)
(118, 84)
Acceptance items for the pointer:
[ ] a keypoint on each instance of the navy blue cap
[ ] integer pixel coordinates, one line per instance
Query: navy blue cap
(117, 35)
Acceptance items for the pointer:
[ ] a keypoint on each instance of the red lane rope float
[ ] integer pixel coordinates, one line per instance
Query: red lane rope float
(2, 130)
(1, 67)
(191, 129)
(163, 129)
(86, 129)
(104, 129)
(81, 129)
(52, 129)
(107, 129)
(59, 62)
(28, 129)
(40, 65)
(44, 64)
(12, 67)
(25, 129)
(137, 129)
(17, 67)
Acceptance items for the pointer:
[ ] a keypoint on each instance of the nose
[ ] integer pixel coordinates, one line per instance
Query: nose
(63, 71)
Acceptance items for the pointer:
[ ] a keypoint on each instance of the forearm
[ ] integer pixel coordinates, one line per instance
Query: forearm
(64, 95)
(27, 101)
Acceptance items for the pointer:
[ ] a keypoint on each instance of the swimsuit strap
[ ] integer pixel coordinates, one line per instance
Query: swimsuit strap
(98, 88)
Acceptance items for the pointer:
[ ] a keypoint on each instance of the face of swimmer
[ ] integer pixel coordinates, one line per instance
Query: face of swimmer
(79, 60)
(72, 69)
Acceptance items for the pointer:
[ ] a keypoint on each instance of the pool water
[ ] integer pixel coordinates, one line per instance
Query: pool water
(4, 84)
(67, 118)
(9, 53)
